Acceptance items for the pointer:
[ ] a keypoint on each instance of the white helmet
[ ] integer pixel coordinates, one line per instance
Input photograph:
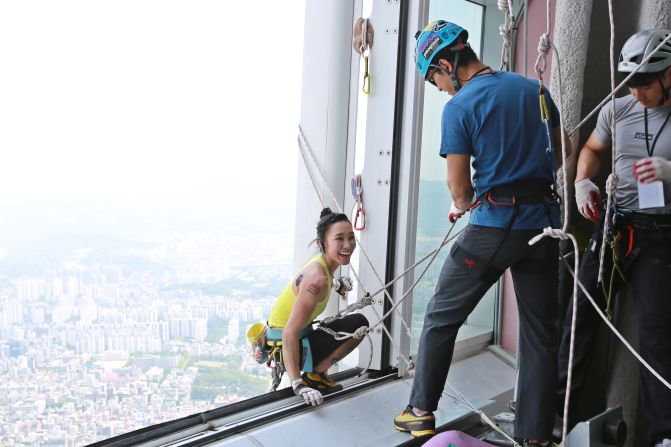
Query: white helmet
(640, 45)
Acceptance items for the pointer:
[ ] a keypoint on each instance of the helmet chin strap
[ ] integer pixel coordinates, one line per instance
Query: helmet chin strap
(666, 91)
(453, 73)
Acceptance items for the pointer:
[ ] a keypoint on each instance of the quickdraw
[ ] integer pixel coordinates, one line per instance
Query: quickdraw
(362, 41)
(545, 119)
(357, 194)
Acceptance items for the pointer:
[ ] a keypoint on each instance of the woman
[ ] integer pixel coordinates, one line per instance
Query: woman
(304, 298)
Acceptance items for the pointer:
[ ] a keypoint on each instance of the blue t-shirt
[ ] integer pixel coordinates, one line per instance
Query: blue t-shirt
(495, 119)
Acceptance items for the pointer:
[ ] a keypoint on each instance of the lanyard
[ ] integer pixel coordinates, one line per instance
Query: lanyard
(651, 150)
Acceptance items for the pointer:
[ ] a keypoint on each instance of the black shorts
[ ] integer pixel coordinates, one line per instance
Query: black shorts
(323, 344)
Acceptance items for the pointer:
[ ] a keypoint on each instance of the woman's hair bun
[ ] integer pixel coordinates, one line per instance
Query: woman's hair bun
(325, 212)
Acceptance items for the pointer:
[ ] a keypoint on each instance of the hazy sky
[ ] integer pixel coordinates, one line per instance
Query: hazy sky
(125, 99)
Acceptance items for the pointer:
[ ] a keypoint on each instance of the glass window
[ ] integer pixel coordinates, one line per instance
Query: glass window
(434, 196)
(147, 197)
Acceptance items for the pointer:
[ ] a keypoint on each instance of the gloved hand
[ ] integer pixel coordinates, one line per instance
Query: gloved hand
(649, 169)
(455, 213)
(588, 199)
(310, 395)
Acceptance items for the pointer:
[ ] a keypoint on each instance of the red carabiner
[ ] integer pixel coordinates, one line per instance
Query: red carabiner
(360, 213)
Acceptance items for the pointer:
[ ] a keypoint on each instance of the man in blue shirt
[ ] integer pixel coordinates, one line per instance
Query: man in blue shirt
(493, 125)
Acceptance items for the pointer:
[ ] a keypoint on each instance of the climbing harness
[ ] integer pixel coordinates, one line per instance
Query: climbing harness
(273, 338)
(512, 195)
(362, 41)
(357, 193)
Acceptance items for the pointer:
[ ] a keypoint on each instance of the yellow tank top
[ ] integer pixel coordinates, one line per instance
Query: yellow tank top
(282, 308)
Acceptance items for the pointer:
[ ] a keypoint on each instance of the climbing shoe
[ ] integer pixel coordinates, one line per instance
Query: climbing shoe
(320, 382)
(417, 425)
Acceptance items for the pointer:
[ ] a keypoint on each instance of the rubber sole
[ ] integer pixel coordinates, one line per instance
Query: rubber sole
(416, 433)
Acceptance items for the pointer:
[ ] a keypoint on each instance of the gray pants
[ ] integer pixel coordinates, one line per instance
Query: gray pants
(464, 279)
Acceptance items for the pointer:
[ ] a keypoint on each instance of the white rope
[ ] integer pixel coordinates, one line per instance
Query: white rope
(462, 400)
(364, 36)
(563, 235)
(617, 333)
(445, 241)
(397, 349)
(613, 184)
(544, 45)
(407, 293)
(506, 31)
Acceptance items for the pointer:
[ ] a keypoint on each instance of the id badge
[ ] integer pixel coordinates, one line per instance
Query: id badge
(651, 195)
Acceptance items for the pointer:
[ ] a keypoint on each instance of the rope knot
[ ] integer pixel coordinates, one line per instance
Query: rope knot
(503, 6)
(506, 34)
(360, 333)
(556, 233)
(544, 44)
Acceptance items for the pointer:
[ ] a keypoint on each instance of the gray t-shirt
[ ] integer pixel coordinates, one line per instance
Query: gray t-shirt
(630, 134)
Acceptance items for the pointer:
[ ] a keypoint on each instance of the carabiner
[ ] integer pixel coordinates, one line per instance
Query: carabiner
(541, 99)
(366, 77)
(360, 213)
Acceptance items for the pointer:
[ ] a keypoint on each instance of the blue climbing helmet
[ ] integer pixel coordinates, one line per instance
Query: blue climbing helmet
(433, 38)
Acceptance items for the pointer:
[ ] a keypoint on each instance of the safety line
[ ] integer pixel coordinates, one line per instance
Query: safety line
(462, 400)
(614, 180)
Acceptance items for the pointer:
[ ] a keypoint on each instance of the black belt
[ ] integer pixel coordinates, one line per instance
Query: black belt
(523, 192)
(648, 222)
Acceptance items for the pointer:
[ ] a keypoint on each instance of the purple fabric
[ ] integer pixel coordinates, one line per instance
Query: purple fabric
(456, 438)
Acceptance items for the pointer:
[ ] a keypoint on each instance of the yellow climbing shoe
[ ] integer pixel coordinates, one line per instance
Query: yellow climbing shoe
(417, 425)
(321, 383)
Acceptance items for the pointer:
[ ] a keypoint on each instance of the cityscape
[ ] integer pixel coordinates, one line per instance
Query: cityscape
(134, 323)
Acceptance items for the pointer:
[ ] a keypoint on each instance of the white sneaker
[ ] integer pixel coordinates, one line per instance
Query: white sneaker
(666, 442)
